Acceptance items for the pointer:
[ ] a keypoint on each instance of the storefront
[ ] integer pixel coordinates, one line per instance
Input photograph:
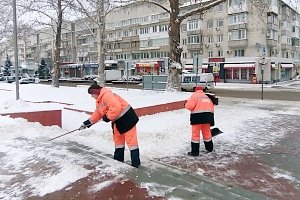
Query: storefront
(151, 68)
(286, 71)
(239, 72)
(275, 74)
(71, 70)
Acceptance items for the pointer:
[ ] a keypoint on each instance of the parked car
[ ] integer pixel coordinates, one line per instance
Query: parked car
(29, 80)
(11, 79)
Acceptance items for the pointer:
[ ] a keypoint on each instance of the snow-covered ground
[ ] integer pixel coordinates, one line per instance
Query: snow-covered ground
(23, 144)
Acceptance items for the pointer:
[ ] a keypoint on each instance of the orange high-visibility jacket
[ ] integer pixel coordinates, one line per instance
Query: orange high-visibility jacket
(116, 109)
(201, 107)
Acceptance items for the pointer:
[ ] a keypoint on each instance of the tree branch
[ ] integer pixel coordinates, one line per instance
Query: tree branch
(200, 9)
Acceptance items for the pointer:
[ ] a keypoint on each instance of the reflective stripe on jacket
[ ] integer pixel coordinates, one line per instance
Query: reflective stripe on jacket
(201, 107)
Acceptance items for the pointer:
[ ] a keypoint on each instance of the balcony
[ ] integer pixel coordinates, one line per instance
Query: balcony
(272, 26)
(193, 46)
(237, 43)
(237, 26)
(286, 46)
(194, 32)
(272, 43)
(286, 32)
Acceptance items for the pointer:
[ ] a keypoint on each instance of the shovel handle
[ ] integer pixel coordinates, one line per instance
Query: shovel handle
(64, 134)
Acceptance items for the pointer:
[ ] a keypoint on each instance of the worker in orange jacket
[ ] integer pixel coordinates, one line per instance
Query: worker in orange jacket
(112, 108)
(201, 118)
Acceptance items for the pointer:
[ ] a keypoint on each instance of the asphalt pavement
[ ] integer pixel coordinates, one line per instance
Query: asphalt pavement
(268, 92)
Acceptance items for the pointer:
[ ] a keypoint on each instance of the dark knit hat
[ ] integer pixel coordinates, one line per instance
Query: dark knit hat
(94, 89)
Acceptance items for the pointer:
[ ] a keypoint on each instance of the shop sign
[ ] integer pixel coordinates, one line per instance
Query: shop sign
(216, 60)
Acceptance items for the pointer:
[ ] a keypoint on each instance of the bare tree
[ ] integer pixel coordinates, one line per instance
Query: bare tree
(5, 19)
(6, 25)
(177, 15)
(176, 18)
(96, 11)
(51, 12)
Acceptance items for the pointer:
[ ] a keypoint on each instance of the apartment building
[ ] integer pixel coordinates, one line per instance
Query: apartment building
(236, 40)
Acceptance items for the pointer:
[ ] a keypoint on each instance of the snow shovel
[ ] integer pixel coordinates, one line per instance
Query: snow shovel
(215, 131)
(64, 134)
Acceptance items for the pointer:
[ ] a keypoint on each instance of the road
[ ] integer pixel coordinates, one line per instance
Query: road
(288, 95)
(279, 93)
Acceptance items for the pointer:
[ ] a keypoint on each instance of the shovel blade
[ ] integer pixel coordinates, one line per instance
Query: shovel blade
(215, 131)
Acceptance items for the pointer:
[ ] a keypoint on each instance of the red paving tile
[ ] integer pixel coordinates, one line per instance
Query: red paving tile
(249, 173)
(81, 190)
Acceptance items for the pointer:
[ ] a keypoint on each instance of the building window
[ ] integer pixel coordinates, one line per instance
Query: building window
(184, 55)
(210, 24)
(210, 39)
(272, 34)
(184, 28)
(220, 7)
(221, 53)
(220, 23)
(239, 53)
(288, 40)
(237, 18)
(237, 34)
(220, 38)
(125, 33)
(193, 39)
(236, 74)
(210, 53)
(184, 42)
(163, 28)
(273, 19)
(236, 2)
(193, 25)
(244, 73)
(144, 30)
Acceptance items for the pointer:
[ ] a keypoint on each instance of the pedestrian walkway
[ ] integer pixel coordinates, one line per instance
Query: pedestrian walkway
(249, 176)
(169, 181)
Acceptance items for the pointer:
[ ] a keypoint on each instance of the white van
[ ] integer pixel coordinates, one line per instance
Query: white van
(189, 83)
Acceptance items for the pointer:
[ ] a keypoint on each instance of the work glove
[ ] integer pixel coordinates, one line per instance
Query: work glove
(85, 124)
(105, 118)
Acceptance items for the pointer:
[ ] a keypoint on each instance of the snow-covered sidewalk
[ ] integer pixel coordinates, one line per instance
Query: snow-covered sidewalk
(32, 166)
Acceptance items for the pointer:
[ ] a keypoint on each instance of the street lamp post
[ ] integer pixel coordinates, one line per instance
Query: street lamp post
(262, 79)
(263, 63)
(16, 48)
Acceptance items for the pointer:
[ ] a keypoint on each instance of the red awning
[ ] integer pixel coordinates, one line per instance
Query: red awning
(240, 65)
(204, 67)
(152, 64)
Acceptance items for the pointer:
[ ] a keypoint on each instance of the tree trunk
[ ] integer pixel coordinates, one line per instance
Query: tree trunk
(173, 82)
(56, 60)
(101, 45)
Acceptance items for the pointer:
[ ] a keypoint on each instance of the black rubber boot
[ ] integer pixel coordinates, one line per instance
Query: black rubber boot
(209, 146)
(135, 158)
(119, 154)
(195, 149)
